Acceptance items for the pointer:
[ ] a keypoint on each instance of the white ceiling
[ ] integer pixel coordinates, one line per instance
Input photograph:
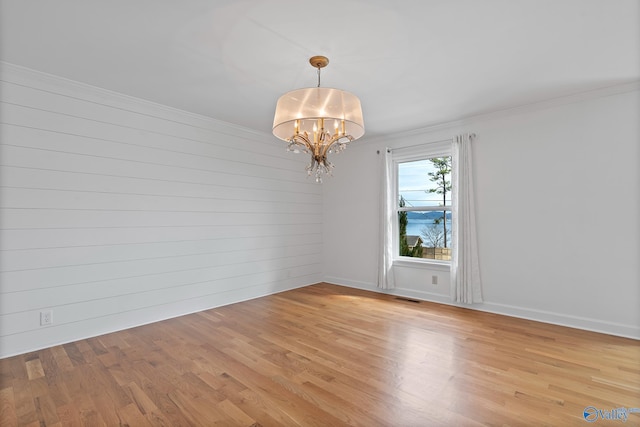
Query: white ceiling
(413, 63)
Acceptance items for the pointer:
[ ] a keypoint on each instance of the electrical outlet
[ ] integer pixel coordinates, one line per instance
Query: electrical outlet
(434, 280)
(46, 317)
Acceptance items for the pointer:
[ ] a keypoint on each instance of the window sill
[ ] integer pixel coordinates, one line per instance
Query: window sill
(422, 264)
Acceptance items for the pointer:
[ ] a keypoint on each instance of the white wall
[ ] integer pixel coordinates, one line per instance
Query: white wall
(117, 212)
(558, 188)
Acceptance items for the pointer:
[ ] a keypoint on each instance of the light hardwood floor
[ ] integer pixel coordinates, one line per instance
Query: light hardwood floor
(326, 355)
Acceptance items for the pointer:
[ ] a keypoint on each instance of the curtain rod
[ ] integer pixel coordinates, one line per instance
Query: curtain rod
(389, 150)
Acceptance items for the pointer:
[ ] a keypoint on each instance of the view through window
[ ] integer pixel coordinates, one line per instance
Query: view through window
(424, 208)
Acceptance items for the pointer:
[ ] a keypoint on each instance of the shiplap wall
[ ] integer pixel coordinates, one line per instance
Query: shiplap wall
(117, 212)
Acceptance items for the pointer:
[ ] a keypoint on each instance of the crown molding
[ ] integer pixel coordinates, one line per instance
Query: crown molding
(515, 110)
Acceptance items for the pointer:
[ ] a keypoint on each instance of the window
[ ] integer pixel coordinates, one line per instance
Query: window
(423, 193)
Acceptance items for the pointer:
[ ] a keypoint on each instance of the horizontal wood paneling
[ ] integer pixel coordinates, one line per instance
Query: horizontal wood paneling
(87, 165)
(238, 239)
(116, 212)
(28, 198)
(22, 177)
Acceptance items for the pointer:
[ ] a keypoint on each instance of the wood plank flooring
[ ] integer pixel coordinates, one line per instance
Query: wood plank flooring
(326, 355)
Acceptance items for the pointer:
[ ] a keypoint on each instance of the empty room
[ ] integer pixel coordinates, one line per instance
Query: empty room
(339, 213)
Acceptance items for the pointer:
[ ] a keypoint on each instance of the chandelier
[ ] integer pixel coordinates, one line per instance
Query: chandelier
(318, 121)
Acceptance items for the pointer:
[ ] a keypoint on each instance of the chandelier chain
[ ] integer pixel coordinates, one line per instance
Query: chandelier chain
(319, 76)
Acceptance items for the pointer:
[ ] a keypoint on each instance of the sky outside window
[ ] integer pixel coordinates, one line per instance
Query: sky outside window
(414, 184)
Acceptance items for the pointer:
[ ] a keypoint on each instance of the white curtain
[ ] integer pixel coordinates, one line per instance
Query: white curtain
(466, 286)
(387, 216)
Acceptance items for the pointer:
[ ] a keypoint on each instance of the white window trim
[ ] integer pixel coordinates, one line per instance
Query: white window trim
(422, 263)
(400, 155)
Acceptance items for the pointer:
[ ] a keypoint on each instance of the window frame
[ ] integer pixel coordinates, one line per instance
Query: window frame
(409, 154)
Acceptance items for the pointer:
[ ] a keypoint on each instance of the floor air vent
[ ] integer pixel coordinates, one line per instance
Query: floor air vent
(408, 299)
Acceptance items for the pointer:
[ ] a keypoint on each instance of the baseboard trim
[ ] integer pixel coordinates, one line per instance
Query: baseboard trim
(593, 325)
